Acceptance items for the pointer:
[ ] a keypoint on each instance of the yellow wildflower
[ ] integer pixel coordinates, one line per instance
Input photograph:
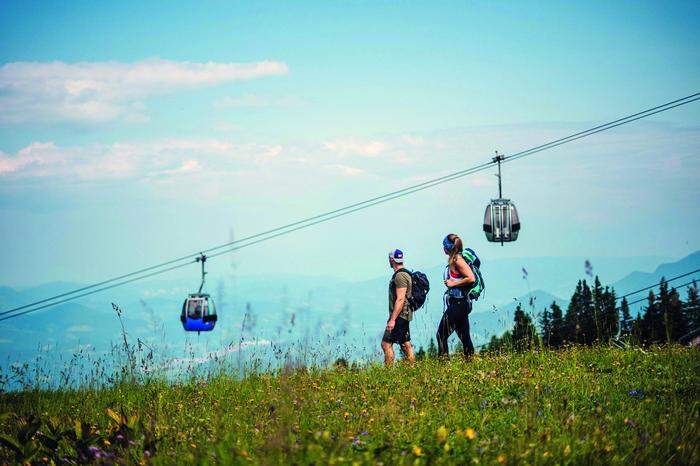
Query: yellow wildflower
(469, 433)
(501, 459)
(441, 434)
(418, 451)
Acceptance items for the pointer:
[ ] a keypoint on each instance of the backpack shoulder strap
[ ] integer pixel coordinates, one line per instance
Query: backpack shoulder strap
(393, 277)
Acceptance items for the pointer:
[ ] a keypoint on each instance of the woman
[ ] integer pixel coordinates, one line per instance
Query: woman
(458, 278)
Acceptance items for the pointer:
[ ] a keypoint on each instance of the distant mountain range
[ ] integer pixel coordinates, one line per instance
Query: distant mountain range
(342, 315)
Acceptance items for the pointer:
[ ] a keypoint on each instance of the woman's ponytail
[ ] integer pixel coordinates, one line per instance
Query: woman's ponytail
(456, 248)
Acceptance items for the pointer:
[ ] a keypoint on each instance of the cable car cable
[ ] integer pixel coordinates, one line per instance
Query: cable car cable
(326, 216)
(591, 132)
(657, 284)
(28, 311)
(675, 288)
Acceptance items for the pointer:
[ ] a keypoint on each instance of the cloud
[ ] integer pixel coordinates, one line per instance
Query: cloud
(114, 161)
(351, 147)
(346, 169)
(104, 91)
(257, 101)
(162, 160)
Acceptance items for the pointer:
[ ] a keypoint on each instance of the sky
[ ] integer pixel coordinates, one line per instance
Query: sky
(135, 132)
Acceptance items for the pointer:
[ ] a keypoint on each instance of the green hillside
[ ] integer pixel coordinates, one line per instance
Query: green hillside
(575, 406)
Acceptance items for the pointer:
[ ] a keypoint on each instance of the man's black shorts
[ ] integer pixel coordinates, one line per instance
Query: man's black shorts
(400, 334)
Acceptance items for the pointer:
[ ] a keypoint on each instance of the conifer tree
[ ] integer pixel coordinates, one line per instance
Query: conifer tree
(611, 315)
(691, 309)
(432, 349)
(546, 326)
(572, 325)
(637, 328)
(652, 323)
(626, 321)
(557, 336)
(587, 316)
(677, 322)
(664, 306)
(598, 307)
(524, 332)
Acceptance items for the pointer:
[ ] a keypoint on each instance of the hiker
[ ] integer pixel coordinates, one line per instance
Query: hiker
(400, 312)
(458, 278)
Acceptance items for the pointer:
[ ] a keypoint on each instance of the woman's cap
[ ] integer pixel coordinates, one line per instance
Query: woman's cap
(447, 244)
(396, 255)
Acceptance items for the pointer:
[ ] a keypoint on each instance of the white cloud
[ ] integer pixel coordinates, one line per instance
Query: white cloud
(346, 169)
(115, 161)
(103, 91)
(413, 140)
(361, 148)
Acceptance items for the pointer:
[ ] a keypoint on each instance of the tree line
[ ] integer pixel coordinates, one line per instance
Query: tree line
(595, 316)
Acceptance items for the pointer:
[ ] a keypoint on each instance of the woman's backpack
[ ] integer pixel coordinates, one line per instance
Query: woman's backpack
(475, 290)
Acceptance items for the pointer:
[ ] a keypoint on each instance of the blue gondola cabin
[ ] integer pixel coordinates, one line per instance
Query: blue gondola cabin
(198, 313)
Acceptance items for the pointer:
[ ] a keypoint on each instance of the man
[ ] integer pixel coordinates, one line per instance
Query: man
(400, 312)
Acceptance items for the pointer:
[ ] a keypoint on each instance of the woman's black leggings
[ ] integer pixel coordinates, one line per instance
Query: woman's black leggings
(455, 319)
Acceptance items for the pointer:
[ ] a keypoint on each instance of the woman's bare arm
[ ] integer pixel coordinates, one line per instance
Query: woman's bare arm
(464, 270)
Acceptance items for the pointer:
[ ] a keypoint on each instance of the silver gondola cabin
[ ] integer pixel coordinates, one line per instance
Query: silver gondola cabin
(501, 221)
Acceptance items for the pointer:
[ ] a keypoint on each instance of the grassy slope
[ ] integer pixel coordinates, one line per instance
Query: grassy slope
(572, 406)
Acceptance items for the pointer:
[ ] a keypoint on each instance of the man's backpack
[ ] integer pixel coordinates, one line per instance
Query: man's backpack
(419, 288)
(475, 290)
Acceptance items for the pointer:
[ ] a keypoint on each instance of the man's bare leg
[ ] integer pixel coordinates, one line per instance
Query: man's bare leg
(388, 349)
(407, 350)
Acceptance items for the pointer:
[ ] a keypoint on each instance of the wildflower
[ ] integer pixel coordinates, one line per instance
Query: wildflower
(469, 433)
(501, 459)
(446, 447)
(636, 393)
(441, 434)
(95, 451)
(417, 451)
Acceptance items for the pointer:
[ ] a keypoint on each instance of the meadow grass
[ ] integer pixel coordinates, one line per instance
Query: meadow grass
(574, 406)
